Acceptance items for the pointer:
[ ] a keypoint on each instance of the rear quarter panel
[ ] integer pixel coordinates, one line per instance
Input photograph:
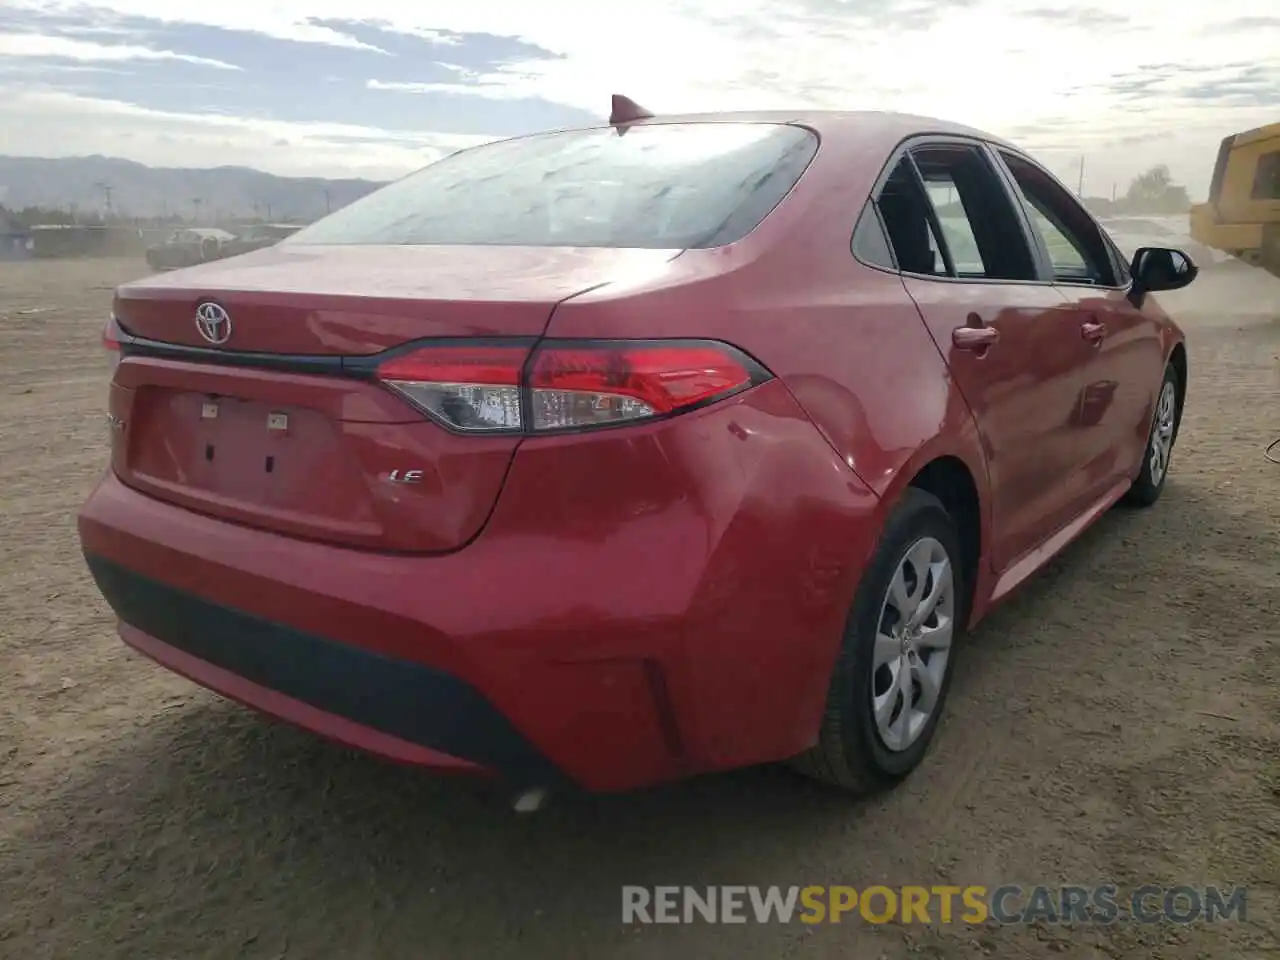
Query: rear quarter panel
(846, 339)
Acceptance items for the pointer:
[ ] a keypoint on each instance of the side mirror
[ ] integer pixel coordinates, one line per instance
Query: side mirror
(1157, 269)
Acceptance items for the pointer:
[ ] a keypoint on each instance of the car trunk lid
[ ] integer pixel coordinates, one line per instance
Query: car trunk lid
(293, 299)
(268, 428)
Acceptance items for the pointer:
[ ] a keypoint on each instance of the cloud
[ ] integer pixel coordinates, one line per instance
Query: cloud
(1063, 78)
(65, 48)
(1241, 24)
(305, 80)
(52, 123)
(1186, 89)
(1088, 18)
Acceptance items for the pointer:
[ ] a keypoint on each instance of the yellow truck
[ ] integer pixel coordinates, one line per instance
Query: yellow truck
(1242, 215)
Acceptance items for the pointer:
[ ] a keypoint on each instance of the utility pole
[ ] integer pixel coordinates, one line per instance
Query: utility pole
(1080, 185)
(328, 204)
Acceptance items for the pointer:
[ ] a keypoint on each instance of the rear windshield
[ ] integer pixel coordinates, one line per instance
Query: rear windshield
(661, 186)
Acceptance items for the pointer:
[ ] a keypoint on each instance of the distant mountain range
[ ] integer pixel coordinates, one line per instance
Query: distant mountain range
(84, 184)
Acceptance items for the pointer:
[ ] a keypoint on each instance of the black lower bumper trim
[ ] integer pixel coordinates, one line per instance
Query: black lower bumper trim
(397, 697)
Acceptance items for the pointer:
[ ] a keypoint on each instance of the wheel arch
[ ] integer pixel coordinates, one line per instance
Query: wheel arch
(837, 754)
(950, 479)
(1178, 360)
(955, 473)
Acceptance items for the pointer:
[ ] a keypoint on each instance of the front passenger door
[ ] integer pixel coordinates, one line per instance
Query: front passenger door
(1126, 361)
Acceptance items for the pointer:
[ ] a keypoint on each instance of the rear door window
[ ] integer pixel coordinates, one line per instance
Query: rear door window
(652, 186)
(870, 245)
(957, 229)
(948, 215)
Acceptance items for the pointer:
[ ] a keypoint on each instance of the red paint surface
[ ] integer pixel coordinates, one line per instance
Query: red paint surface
(717, 552)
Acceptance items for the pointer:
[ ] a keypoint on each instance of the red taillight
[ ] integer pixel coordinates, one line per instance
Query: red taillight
(591, 386)
(477, 388)
(471, 388)
(491, 366)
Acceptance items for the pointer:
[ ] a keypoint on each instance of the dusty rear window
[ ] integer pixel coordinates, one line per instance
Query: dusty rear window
(661, 186)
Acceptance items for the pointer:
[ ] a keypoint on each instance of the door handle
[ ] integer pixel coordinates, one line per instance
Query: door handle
(974, 338)
(1093, 331)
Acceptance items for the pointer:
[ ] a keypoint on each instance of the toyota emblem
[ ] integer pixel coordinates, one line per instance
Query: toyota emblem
(213, 322)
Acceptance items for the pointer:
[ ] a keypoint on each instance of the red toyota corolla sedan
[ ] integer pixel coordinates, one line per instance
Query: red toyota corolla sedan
(609, 456)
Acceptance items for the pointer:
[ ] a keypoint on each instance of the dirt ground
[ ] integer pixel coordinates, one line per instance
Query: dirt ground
(1119, 722)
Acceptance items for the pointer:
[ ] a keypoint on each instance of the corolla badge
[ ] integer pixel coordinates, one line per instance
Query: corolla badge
(213, 322)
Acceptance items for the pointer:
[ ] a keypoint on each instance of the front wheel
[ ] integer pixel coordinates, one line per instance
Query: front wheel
(894, 668)
(1147, 488)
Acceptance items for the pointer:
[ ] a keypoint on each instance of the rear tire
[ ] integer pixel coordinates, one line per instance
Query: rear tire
(858, 748)
(1149, 485)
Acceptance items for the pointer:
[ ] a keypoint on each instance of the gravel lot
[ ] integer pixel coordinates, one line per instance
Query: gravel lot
(1119, 723)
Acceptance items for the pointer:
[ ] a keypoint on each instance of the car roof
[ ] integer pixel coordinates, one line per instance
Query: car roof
(885, 128)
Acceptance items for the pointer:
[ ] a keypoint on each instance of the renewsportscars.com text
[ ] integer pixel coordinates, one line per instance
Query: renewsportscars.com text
(1009, 904)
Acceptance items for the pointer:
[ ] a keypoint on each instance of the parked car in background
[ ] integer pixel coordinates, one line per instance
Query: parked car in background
(603, 460)
(1131, 233)
(258, 235)
(187, 247)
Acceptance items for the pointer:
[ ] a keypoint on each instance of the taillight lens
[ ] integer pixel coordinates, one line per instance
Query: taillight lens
(568, 386)
(587, 387)
(111, 342)
(476, 389)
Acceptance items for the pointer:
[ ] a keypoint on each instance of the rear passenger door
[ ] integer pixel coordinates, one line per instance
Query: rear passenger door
(1009, 337)
(1126, 358)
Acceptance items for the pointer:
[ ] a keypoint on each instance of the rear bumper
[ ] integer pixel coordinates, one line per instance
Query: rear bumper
(398, 709)
(640, 606)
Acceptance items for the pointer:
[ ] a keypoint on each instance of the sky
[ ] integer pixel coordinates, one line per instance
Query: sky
(378, 88)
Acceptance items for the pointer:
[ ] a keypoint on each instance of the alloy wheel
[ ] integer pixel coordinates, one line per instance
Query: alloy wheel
(1162, 432)
(913, 643)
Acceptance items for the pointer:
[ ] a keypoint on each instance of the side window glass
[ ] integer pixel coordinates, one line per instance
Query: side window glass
(869, 242)
(957, 229)
(1065, 252)
(1076, 247)
(905, 209)
(948, 214)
